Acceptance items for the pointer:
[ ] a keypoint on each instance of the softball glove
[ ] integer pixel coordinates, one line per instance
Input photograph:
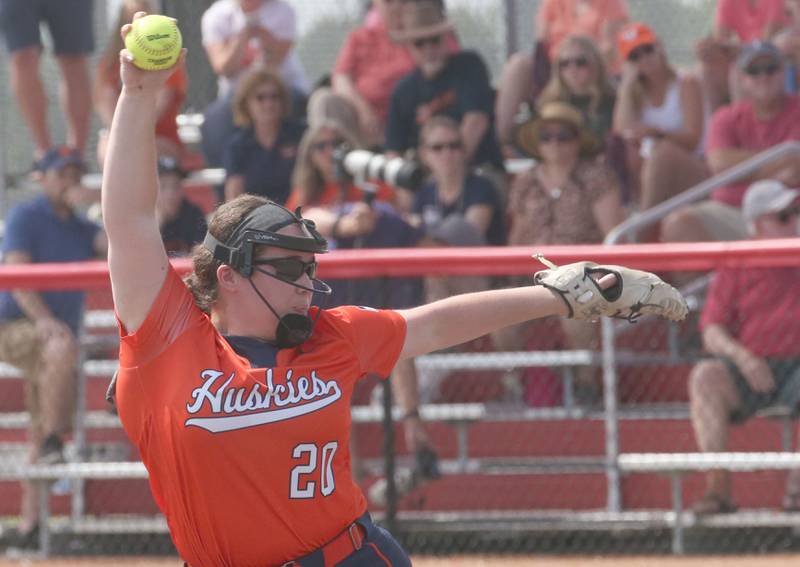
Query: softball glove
(635, 293)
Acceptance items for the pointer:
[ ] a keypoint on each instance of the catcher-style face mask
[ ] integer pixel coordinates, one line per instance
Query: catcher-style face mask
(261, 227)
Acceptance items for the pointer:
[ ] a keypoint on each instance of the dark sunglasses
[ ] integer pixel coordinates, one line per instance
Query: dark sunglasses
(768, 69)
(433, 41)
(453, 146)
(290, 268)
(579, 62)
(641, 51)
(261, 97)
(323, 145)
(561, 135)
(786, 215)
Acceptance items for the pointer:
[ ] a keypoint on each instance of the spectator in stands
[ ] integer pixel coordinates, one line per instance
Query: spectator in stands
(182, 223)
(526, 74)
(453, 84)
(737, 132)
(751, 325)
(260, 158)
(736, 23)
(452, 189)
(39, 330)
(581, 80)
(70, 26)
(108, 85)
(370, 64)
(239, 36)
(660, 115)
(456, 207)
(567, 197)
(788, 41)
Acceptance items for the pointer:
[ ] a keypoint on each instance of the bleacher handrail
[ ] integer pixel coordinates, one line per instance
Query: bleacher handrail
(699, 191)
(416, 262)
(629, 227)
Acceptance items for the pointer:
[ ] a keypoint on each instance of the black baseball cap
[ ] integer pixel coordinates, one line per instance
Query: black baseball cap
(169, 165)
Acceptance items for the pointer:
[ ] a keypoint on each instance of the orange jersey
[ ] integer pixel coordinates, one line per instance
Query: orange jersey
(251, 466)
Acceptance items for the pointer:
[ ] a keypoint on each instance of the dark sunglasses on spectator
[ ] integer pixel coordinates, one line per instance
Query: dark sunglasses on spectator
(579, 62)
(454, 146)
(433, 41)
(261, 97)
(290, 268)
(768, 69)
(640, 51)
(323, 145)
(561, 135)
(786, 215)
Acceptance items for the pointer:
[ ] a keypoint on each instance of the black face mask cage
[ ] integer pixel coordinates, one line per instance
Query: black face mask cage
(241, 254)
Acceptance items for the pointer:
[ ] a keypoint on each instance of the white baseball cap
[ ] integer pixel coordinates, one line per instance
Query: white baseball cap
(765, 197)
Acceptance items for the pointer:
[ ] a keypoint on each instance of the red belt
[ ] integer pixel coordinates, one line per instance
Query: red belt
(338, 549)
(335, 551)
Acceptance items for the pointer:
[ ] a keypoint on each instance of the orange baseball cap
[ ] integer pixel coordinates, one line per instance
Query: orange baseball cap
(632, 36)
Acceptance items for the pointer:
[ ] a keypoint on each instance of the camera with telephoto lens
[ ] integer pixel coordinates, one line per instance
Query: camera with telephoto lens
(364, 165)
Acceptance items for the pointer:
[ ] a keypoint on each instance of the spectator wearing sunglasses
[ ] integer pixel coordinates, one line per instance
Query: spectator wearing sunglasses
(453, 84)
(736, 23)
(182, 223)
(452, 189)
(766, 117)
(259, 159)
(567, 197)
(580, 79)
(660, 115)
(751, 327)
(526, 74)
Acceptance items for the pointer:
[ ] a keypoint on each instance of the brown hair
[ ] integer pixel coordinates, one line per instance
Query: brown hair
(307, 181)
(247, 86)
(557, 89)
(202, 282)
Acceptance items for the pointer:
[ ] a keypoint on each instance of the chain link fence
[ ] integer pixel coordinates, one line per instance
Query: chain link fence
(521, 438)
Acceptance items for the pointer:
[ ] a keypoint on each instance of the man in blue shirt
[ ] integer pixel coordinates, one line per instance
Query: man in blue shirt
(38, 329)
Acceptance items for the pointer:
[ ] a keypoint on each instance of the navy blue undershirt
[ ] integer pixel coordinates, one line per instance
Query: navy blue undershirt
(261, 354)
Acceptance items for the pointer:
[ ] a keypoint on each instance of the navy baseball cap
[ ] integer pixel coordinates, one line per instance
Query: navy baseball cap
(756, 49)
(60, 157)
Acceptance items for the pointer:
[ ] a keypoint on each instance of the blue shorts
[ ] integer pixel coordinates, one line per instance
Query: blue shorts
(379, 548)
(69, 21)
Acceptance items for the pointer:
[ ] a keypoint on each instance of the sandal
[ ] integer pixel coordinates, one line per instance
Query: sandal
(713, 504)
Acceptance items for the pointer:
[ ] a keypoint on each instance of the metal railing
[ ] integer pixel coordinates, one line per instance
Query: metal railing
(616, 236)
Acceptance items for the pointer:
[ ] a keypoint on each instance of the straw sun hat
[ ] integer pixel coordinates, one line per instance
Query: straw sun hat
(526, 135)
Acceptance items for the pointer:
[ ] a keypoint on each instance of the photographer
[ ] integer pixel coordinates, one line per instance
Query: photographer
(353, 218)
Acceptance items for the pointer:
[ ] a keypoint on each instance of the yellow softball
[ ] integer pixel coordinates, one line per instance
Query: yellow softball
(155, 42)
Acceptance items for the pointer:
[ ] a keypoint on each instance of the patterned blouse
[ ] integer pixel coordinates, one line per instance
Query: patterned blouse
(559, 216)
